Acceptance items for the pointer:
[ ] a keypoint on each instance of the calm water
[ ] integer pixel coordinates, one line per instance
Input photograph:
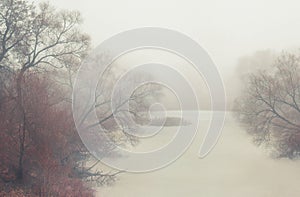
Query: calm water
(235, 168)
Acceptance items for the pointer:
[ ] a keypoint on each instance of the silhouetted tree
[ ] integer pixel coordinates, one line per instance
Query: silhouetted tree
(270, 106)
(41, 49)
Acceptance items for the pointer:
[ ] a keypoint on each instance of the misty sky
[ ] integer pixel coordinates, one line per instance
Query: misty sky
(227, 29)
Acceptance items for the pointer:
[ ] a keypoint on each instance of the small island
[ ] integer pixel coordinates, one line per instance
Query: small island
(169, 122)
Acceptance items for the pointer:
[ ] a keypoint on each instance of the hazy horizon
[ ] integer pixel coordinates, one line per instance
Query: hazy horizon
(149, 98)
(228, 30)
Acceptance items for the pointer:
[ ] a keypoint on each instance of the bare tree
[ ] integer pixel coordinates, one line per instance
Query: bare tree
(269, 106)
(115, 120)
(34, 39)
(15, 21)
(247, 65)
(41, 41)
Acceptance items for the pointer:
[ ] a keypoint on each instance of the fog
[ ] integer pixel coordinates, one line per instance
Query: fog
(240, 36)
(226, 29)
(234, 168)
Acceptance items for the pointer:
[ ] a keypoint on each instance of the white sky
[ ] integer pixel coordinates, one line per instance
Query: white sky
(226, 29)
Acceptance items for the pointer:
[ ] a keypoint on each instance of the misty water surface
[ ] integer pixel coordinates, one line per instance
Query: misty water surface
(234, 168)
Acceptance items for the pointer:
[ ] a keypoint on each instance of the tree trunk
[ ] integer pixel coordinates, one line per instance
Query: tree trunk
(22, 125)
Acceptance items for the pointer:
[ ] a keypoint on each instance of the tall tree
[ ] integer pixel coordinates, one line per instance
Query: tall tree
(270, 106)
(35, 38)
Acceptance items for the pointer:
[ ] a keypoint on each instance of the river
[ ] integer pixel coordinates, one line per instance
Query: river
(235, 168)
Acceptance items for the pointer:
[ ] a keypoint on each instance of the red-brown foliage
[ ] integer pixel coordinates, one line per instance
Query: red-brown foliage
(51, 143)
